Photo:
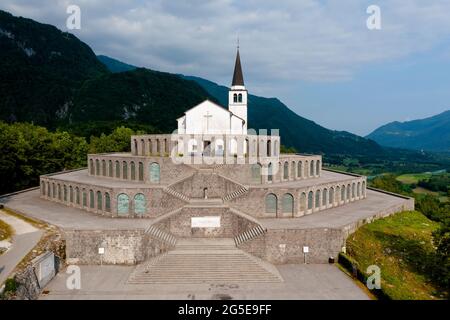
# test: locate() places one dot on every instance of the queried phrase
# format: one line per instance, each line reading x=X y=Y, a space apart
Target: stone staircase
x=205 y=261
x=249 y=235
x=161 y=235
x=177 y=194
x=235 y=194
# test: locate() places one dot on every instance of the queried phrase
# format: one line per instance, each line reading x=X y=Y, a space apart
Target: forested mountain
x=431 y=133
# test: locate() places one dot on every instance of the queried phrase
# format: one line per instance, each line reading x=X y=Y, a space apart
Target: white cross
x=207 y=116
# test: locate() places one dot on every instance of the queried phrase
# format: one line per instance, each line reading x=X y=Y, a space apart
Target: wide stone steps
x=205 y=261
x=161 y=235
x=235 y=194
x=249 y=235
x=177 y=194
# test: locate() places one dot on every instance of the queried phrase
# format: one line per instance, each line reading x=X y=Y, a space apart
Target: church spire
x=238 y=78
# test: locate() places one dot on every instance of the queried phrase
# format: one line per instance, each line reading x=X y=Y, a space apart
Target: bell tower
x=237 y=96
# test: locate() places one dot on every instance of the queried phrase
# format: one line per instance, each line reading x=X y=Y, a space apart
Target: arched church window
x=353 y=189
x=48 y=189
x=317 y=204
x=343 y=193
x=99 y=200
x=135 y=146
x=310 y=200
x=59 y=192
x=288 y=203
x=240 y=97
x=358 y=189
x=143 y=147
x=293 y=169
x=306 y=168
x=324 y=197
x=124 y=170
x=348 y=192
x=311 y=171
x=317 y=167
x=235 y=98
x=71 y=194
x=154 y=172
x=54 y=190
x=107 y=202
x=256 y=173
x=286 y=171
x=133 y=170
x=271 y=203
x=139 y=204
x=269 y=151
x=65 y=193
x=141 y=171
x=123 y=204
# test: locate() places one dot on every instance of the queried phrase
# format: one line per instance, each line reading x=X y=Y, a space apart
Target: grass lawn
x=411 y=178
x=5 y=231
x=400 y=245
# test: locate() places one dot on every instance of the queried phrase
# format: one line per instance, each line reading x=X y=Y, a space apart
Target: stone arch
x=91 y=199
x=317 y=202
x=65 y=193
x=123 y=204
x=107 y=202
x=48 y=189
x=306 y=169
x=331 y=196
x=117 y=169
x=324 y=197
x=363 y=191
x=353 y=190
x=135 y=146
x=141 y=171
x=77 y=195
x=287 y=203
x=140 y=204
x=310 y=200
x=110 y=168
x=84 y=198
x=311 y=169
x=233 y=146
x=303 y=202
x=125 y=170
x=358 y=189
x=158 y=147
x=271 y=203
x=71 y=194
x=155 y=172
x=99 y=201
x=343 y=193
x=299 y=169
x=286 y=170
x=97 y=167
x=293 y=170
x=143 y=152
x=348 y=192
x=104 y=168
x=91 y=167
x=133 y=170
x=59 y=192
x=317 y=167
x=54 y=190
x=256 y=173
x=338 y=194
x=270 y=172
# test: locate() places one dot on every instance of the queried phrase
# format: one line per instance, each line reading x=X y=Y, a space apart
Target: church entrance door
x=206 y=148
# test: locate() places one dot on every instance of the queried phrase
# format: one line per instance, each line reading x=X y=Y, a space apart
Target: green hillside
x=40 y=69
x=431 y=134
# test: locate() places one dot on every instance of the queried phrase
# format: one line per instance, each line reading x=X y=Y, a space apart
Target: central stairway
x=205 y=261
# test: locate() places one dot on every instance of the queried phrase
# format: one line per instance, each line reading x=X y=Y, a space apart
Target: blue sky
x=318 y=57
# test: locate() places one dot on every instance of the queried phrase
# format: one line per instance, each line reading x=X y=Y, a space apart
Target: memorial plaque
x=45 y=267
x=205 y=222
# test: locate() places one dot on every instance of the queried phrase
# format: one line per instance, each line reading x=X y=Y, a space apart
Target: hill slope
x=114 y=65
x=40 y=67
x=431 y=134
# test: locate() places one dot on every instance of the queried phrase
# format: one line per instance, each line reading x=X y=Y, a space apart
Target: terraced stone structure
x=211 y=180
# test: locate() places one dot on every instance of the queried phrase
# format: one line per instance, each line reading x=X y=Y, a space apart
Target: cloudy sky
x=318 y=57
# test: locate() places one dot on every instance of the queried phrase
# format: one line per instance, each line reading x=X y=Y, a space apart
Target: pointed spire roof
x=238 y=78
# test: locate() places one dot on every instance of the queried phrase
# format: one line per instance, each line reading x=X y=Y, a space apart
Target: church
x=210 y=119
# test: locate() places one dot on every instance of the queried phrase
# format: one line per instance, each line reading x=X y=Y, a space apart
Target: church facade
x=212 y=178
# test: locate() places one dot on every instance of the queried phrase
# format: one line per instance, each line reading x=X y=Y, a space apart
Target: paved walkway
x=319 y=281
x=23 y=241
